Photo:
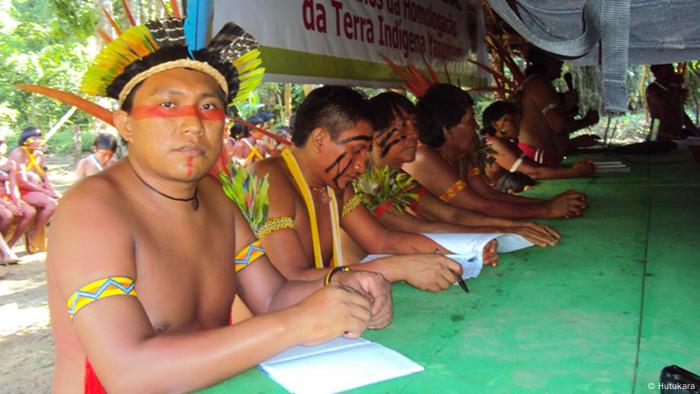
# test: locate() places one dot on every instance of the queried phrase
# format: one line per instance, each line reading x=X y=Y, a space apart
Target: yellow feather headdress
x=231 y=59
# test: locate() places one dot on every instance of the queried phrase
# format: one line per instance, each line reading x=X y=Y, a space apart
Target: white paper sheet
x=338 y=365
x=467 y=243
x=611 y=166
x=468 y=248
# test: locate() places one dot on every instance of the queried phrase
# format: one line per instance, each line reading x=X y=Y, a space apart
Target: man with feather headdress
x=145 y=257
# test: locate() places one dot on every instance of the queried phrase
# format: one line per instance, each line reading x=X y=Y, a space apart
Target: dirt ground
x=26 y=346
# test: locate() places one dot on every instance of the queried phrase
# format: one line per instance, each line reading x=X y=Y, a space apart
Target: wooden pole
x=287 y=101
x=77 y=143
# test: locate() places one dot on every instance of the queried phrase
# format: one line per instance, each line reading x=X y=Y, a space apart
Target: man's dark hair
x=334 y=108
x=514 y=182
x=238 y=131
x=536 y=69
x=384 y=107
x=27 y=133
x=493 y=113
x=655 y=68
x=105 y=141
x=128 y=104
x=441 y=107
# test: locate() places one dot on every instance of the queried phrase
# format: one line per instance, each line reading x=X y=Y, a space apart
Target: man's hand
x=538 y=234
x=584 y=168
x=54 y=193
x=431 y=272
x=330 y=312
x=489 y=255
x=571 y=100
x=568 y=204
x=591 y=117
x=376 y=289
x=16 y=210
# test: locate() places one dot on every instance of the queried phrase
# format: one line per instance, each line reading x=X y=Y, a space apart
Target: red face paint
x=189 y=165
x=157 y=111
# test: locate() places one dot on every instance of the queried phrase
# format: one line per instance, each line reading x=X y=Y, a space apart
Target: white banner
x=341 y=41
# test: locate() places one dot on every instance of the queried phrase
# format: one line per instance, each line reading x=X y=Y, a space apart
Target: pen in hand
x=461 y=281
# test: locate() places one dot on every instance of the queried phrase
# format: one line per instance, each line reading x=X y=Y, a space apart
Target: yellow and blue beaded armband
x=99 y=289
x=249 y=254
x=350 y=205
x=275 y=224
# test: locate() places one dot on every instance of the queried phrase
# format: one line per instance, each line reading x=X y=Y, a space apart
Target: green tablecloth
x=604 y=311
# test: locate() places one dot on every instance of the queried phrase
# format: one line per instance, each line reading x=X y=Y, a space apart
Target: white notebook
x=467 y=248
x=338 y=365
x=473 y=243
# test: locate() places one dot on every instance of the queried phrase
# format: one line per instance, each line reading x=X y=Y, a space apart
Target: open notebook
x=467 y=248
x=338 y=365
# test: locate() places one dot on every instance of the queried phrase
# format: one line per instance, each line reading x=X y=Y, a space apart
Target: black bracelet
x=329 y=275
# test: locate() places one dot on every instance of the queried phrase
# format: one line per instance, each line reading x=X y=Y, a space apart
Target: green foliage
x=249 y=192
x=250 y=107
x=44 y=42
x=378 y=185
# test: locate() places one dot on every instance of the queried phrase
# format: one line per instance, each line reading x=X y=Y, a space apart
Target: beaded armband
x=350 y=205
x=248 y=255
x=100 y=289
x=450 y=193
x=275 y=224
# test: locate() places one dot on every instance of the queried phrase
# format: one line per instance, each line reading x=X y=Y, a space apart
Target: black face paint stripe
x=354 y=138
x=340 y=173
x=388 y=135
x=336 y=162
x=390 y=145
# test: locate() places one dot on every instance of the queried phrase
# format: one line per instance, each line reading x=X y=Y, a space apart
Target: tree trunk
x=642 y=91
x=77 y=144
x=287 y=101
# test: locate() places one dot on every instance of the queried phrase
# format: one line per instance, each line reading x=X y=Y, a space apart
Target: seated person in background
x=546 y=121
x=445 y=166
x=103 y=149
x=141 y=269
x=501 y=122
x=274 y=146
x=665 y=97
x=410 y=206
x=250 y=147
x=12 y=208
x=331 y=137
x=33 y=181
x=267 y=117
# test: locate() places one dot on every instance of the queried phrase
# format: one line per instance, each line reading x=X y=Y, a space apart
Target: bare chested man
x=501 y=121
x=394 y=144
x=32 y=177
x=665 y=97
x=546 y=122
x=444 y=164
x=331 y=137
x=14 y=209
x=141 y=271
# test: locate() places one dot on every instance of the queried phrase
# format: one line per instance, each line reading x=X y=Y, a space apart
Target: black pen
x=462 y=283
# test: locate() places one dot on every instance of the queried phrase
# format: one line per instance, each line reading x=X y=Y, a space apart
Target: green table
x=604 y=311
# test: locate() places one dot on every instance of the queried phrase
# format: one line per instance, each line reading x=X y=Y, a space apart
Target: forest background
x=50 y=43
